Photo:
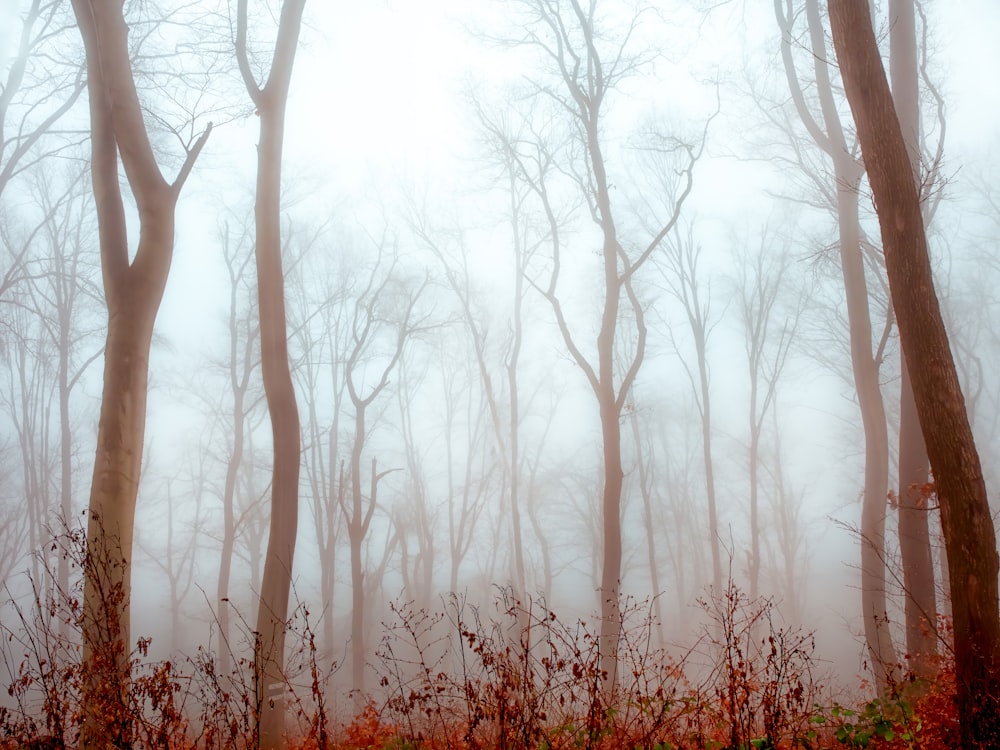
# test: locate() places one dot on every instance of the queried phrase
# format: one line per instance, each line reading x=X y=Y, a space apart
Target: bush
x=513 y=675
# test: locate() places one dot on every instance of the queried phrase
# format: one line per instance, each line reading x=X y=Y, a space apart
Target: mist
x=354 y=356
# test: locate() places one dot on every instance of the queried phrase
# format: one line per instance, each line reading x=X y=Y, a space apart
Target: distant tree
x=970 y=538
x=680 y=270
x=240 y=367
x=501 y=394
x=59 y=295
x=470 y=467
x=644 y=478
x=133 y=290
x=173 y=547
x=270 y=100
x=40 y=85
x=322 y=340
x=789 y=555
x=587 y=62
x=385 y=318
x=414 y=515
x=767 y=342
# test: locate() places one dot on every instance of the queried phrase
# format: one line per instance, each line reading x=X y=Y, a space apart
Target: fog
x=447 y=218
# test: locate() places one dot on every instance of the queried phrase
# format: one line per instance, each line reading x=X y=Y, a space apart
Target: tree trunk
x=272 y=613
x=133 y=292
x=865 y=367
x=920 y=605
x=970 y=538
x=357 y=529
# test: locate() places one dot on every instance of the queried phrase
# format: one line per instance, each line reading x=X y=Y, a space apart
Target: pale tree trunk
x=864 y=361
x=272 y=612
x=366 y=328
x=970 y=538
x=505 y=435
x=760 y=283
x=133 y=292
x=643 y=467
x=682 y=280
x=240 y=365
x=920 y=605
x=586 y=68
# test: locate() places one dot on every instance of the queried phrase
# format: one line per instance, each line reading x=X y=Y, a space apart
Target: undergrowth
x=509 y=675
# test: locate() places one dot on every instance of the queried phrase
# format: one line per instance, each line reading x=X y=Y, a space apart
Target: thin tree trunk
x=970 y=538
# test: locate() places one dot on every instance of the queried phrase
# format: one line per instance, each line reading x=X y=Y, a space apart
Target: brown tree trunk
x=279 y=389
x=920 y=605
x=133 y=292
x=970 y=539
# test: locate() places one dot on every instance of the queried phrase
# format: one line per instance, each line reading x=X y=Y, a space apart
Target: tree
x=177 y=557
x=59 y=292
x=385 y=318
x=587 y=66
x=279 y=389
x=920 y=605
x=680 y=271
x=40 y=86
x=133 y=290
x=841 y=192
x=413 y=516
x=970 y=538
x=240 y=366
x=323 y=340
x=761 y=278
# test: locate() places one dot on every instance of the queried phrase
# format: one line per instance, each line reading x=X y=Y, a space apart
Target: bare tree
x=470 y=469
x=767 y=344
x=920 y=605
x=240 y=367
x=841 y=191
x=413 y=516
x=970 y=538
x=133 y=290
x=645 y=473
x=385 y=318
x=39 y=88
x=680 y=272
x=323 y=341
x=270 y=99
x=173 y=549
x=587 y=65
x=49 y=332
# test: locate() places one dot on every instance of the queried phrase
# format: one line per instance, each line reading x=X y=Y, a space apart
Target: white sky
x=377 y=102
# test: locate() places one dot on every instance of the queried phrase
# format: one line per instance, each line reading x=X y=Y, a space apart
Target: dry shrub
x=523 y=678
x=42 y=655
x=153 y=704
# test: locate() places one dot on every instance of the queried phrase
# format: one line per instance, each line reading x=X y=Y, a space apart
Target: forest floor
x=463 y=679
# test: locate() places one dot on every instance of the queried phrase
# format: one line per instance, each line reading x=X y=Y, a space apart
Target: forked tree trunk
x=133 y=292
x=970 y=539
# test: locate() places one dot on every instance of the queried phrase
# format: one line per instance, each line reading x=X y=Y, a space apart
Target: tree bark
x=920 y=605
x=133 y=292
x=272 y=613
x=970 y=539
